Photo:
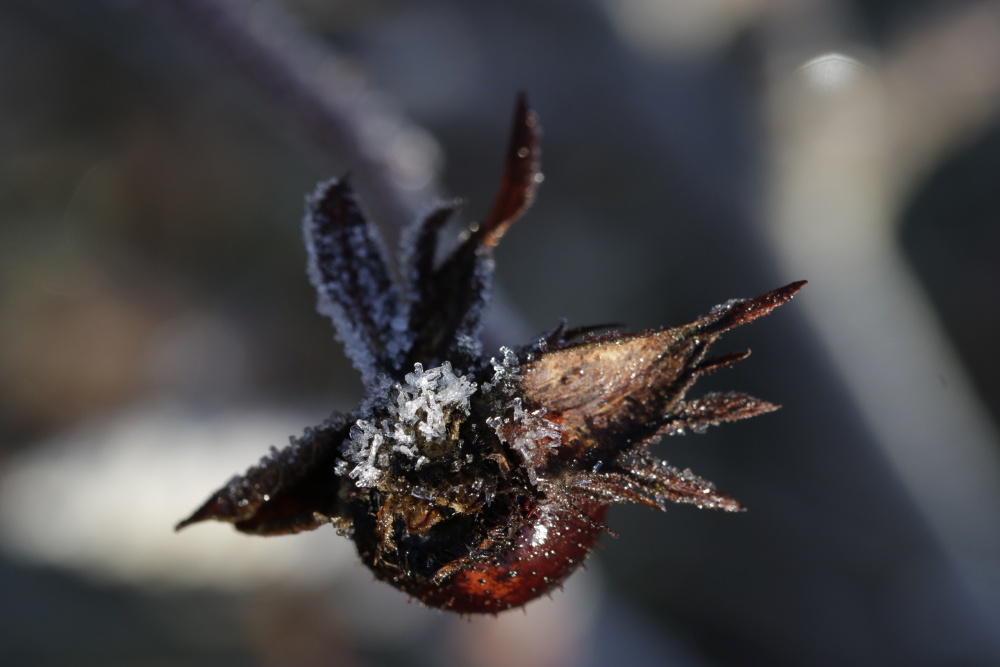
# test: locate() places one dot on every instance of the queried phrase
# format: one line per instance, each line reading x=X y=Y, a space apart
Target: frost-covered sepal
x=290 y=490
x=715 y=408
x=419 y=249
x=647 y=480
x=354 y=286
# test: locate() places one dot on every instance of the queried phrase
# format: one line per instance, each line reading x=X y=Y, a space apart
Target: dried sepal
x=738 y=312
x=448 y=311
x=520 y=178
x=722 y=361
x=354 y=286
x=648 y=481
x=419 y=248
x=288 y=491
x=715 y=408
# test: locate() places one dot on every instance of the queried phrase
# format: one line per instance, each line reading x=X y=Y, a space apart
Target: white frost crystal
x=421 y=413
x=528 y=433
x=506 y=371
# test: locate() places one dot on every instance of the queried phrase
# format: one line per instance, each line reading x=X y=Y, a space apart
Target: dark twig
x=306 y=80
x=348 y=120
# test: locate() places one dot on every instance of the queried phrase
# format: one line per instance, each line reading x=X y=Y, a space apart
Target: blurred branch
x=847 y=139
x=943 y=84
x=392 y=161
x=308 y=82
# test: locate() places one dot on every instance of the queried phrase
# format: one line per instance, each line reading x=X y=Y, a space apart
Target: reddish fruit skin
x=538 y=558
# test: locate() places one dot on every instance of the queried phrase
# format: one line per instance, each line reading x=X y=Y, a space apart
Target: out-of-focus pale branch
x=942 y=86
x=848 y=136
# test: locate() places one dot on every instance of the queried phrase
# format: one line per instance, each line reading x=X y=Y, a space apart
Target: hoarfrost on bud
x=529 y=434
x=365 y=442
x=417 y=429
x=506 y=370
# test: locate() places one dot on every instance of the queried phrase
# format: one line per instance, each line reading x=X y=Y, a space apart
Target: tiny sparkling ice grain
x=474 y=482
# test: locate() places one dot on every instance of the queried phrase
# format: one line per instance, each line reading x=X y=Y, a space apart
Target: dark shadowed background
x=157 y=330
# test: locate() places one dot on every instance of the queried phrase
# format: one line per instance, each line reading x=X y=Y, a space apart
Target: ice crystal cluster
x=419 y=424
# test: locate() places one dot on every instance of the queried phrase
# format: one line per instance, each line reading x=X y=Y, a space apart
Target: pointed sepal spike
x=288 y=491
x=353 y=284
x=743 y=311
x=654 y=483
x=715 y=408
x=669 y=484
x=721 y=361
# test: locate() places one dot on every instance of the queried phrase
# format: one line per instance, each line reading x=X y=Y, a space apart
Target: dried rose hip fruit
x=477 y=483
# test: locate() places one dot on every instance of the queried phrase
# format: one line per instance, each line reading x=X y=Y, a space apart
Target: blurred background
x=157 y=330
